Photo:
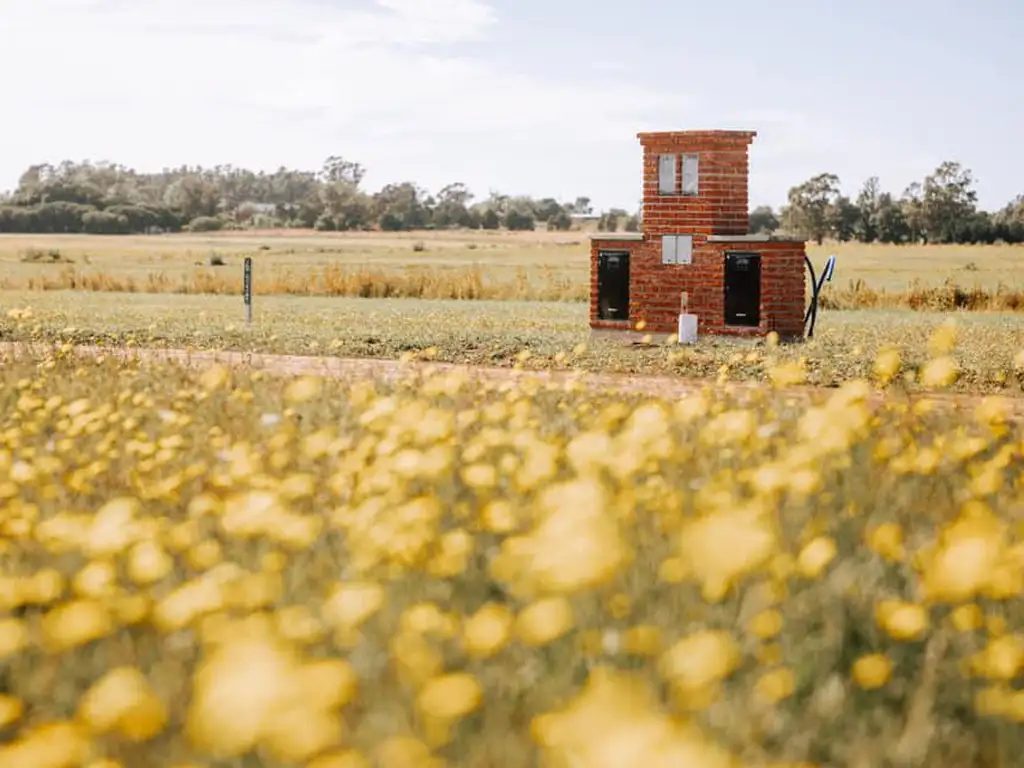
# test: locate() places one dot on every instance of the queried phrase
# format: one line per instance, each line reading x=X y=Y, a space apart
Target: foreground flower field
x=218 y=568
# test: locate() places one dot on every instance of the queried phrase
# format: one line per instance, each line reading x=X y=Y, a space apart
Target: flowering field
x=219 y=568
x=532 y=335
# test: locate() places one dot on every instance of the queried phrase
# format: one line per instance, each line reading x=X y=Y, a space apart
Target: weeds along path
x=393 y=370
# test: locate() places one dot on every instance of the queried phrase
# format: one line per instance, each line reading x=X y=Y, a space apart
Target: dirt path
x=391 y=370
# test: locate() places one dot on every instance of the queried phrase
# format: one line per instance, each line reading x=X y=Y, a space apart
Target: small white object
x=687 y=329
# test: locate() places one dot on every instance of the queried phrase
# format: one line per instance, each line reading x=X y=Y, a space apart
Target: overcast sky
x=519 y=96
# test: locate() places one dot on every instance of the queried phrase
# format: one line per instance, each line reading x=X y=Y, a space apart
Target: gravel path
x=390 y=370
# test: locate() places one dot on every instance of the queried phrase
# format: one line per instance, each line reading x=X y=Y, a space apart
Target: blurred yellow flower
x=123 y=700
x=700 y=659
x=544 y=621
x=788 y=374
x=940 y=372
x=721 y=547
x=10 y=710
x=75 y=623
x=943 y=339
x=351 y=604
x=776 y=685
x=577 y=544
x=887 y=540
x=966 y=561
x=14 y=637
x=887 y=365
x=815 y=557
x=902 y=621
x=486 y=631
x=449 y=697
x=48 y=745
x=1002 y=658
x=872 y=671
x=303 y=390
x=967 y=618
x=215 y=377
x=615 y=722
x=766 y=624
x=238 y=691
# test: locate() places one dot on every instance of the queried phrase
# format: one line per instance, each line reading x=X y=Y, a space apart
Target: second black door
x=743 y=289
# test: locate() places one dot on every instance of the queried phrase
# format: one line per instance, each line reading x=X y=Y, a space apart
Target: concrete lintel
x=711 y=134
x=755 y=238
x=630 y=236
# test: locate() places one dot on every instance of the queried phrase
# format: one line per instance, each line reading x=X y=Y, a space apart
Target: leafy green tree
x=948 y=203
x=490 y=219
x=810 y=206
x=763 y=220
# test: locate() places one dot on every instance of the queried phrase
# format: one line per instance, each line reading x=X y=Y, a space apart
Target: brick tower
x=694 y=243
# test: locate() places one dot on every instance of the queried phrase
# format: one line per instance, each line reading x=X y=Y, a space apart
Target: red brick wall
x=721 y=206
x=655 y=288
x=783 y=288
x=719 y=209
x=596 y=246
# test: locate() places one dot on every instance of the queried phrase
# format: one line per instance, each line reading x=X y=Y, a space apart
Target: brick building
x=694 y=248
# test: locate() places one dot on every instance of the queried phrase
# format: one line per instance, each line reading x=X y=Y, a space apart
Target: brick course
x=717 y=218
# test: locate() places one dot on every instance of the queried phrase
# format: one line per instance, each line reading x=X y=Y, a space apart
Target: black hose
x=817 y=284
x=812 y=308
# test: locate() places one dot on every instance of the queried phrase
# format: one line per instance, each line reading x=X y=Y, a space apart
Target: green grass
x=494 y=333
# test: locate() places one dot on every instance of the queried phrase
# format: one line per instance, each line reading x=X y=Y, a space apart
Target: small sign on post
x=247 y=288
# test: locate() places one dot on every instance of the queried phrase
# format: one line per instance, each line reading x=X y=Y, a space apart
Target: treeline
x=940 y=209
x=104 y=198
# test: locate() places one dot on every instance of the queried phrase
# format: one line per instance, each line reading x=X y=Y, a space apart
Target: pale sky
x=519 y=96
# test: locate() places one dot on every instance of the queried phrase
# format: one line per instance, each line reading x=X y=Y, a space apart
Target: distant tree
x=866 y=228
x=1009 y=222
x=810 y=204
x=518 y=221
x=104 y=223
x=843 y=217
x=490 y=219
x=63 y=198
x=561 y=221
x=451 y=208
x=763 y=220
x=400 y=207
x=948 y=203
x=206 y=224
x=889 y=220
x=337 y=169
x=581 y=206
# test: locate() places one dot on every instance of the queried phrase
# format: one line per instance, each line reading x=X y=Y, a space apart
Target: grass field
x=507 y=333
x=498 y=265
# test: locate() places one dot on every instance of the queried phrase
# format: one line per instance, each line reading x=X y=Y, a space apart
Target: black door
x=743 y=289
x=613 y=285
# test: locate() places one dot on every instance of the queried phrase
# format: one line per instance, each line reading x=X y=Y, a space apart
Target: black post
x=247 y=288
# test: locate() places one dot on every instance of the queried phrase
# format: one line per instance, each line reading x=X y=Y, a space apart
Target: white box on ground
x=687 y=329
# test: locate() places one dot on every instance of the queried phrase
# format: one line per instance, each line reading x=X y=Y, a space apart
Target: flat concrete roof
x=755 y=238
x=697 y=134
x=616 y=235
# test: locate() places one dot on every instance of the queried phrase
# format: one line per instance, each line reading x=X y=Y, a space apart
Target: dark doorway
x=743 y=289
x=613 y=285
